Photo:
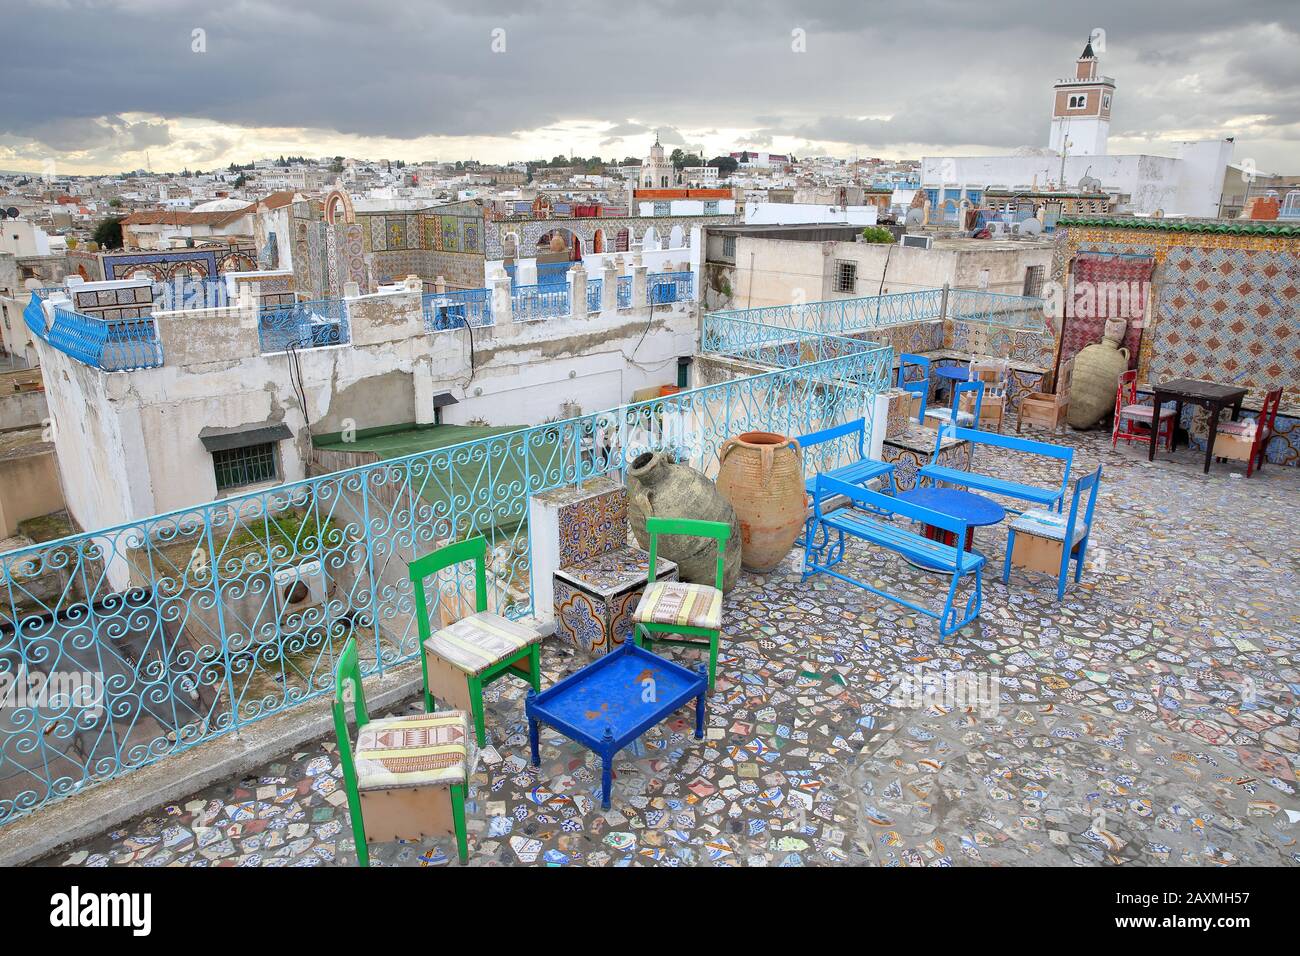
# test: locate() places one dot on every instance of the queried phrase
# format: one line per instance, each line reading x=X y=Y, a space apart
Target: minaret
x=1081 y=110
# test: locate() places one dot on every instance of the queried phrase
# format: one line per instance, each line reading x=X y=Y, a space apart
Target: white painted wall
x=1189 y=184
x=790 y=214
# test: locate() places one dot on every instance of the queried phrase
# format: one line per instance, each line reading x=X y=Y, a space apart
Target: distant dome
x=221 y=205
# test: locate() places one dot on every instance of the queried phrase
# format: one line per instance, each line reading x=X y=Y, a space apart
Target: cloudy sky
x=107 y=85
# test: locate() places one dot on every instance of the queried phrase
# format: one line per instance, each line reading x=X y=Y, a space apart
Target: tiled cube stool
x=465 y=656
x=595 y=598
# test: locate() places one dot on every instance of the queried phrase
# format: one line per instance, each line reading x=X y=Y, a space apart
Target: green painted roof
x=1248 y=227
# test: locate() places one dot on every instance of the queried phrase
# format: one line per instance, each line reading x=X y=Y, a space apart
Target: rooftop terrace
x=1150 y=718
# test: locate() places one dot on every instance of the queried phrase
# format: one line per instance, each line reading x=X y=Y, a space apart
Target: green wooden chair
x=393 y=775
x=676 y=607
x=461 y=659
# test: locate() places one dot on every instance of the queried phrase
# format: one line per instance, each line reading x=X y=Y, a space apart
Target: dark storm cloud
x=945 y=73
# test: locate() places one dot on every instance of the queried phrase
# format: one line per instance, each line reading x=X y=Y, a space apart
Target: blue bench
x=1047 y=497
x=857 y=472
x=877 y=529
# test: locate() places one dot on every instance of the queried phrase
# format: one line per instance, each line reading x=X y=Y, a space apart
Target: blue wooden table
x=975 y=510
x=613 y=701
x=954 y=374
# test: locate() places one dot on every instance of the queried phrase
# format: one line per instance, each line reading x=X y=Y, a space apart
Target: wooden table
x=1190 y=391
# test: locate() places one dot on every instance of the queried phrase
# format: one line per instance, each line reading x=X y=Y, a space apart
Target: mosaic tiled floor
x=1152 y=717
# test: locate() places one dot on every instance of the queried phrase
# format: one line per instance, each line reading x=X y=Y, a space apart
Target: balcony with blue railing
x=303 y=325
x=624 y=298
x=666 y=287
x=593 y=294
x=187 y=615
x=457 y=310
x=112 y=345
x=536 y=303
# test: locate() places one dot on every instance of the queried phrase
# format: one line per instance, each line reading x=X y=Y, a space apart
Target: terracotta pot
x=1097 y=369
x=658 y=487
x=761 y=474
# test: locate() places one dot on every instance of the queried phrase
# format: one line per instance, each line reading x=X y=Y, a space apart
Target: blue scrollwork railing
x=534 y=303
x=113 y=345
x=303 y=325
x=185 y=626
x=669 y=287
x=624 y=292
x=593 y=294
x=458 y=309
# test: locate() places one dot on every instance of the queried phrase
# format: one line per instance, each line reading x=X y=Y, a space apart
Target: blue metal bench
x=857 y=472
x=950 y=559
x=1049 y=497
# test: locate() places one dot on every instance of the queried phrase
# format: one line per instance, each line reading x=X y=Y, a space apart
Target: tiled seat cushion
x=1143 y=411
x=945 y=415
x=412 y=751
x=1049 y=524
x=475 y=643
x=676 y=602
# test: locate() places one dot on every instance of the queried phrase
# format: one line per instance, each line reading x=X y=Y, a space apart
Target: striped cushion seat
x=945 y=415
x=1143 y=411
x=475 y=643
x=1048 y=524
x=413 y=750
x=676 y=602
x=1239 y=428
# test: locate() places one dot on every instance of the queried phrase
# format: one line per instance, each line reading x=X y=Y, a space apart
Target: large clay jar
x=1097 y=369
x=761 y=474
x=658 y=487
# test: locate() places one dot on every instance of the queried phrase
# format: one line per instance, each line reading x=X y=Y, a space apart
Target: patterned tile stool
x=461 y=659
x=405 y=777
x=594 y=599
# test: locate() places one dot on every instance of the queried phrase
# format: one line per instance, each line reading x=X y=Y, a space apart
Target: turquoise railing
x=533 y=303
x=114 y=345
x=668 y=287
x=303 y=325
x=456 y=310
x=624 y=296
x=593 y=294
x=200 y=621
x=867 y=313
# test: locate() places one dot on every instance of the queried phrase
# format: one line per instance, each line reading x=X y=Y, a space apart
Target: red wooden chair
x=1249 y=439
x=1133 y=421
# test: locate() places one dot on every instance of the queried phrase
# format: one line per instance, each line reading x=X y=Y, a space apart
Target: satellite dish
x=12 y=212
x=1031 y=227
x=915 y=217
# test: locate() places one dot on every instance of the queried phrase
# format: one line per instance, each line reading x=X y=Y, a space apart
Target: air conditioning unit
x=916 y=242
x=299 y=587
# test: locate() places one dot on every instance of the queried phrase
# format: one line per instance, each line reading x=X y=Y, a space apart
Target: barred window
x=846 y=276
x=1034 y=280
x=239 y=467
x=729 y=246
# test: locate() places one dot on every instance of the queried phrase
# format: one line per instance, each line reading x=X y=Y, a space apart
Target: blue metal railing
x=868 y=313
x=624 y=292
x=669 y=287
x=115 y=345
x=303 y=325
x=593 y=294
x=201 y=621
x=456 y=310
x=533 y=303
